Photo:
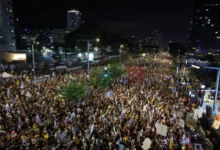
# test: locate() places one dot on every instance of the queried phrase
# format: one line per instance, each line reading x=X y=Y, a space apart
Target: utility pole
x=88 y=42
x=33 y=57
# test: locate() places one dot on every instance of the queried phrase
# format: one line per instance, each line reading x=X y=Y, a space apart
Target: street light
x=105 y=72
x=120 y=50
x=34 y=42
x=87 y=41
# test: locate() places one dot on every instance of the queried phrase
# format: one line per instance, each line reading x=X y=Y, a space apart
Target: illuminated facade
x=73 y=19
x=7 y=29
x=205 y=25
x=156 y=38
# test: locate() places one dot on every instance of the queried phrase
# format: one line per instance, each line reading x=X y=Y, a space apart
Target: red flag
x=136 y=73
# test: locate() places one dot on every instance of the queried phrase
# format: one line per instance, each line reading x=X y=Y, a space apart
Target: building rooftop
x=73 y=11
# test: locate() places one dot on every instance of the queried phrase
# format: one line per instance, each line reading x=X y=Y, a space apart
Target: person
x=42 y=119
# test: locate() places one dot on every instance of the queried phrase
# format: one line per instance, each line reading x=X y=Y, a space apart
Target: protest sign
x=216 y=124
x=180 y=113
x=196 y=114
x=146 y=144
x=161 y=129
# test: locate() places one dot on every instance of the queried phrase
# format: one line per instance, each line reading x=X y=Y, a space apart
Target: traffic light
x=106 y=72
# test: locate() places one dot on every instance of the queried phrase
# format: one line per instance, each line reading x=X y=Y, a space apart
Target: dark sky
x=127 y=17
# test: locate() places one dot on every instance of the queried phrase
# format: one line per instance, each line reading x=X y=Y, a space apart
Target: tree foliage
x=176 y=49
x=74 y=90
x=116 y=71
x=85 y=32
x=99 y=80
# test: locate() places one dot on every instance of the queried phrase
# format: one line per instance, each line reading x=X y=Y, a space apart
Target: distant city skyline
x=171 y=18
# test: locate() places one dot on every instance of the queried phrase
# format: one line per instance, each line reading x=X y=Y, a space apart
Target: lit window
x=0 y=36
x=206 y=17
x=200 y=17
x=207 y=9
x=208 y=22
x=212 y=25
x=218 y=37
x=216 y=32
x=12 y=30
x=13 y=43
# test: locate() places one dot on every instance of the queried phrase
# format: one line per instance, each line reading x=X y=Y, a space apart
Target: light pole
x=121 y=46
x=88 y=41
x=33 y=58
x=88 y=73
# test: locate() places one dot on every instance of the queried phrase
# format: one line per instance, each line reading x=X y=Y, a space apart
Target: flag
x=17 y=82
x=129 y=122
x=28 y=94
x=7 y=107
x=92 y=128
x=114 y=130
x=22 y=85
x=8 y=93
x=171 y=143
x=37 y=119
x=132 y=108
x=27 y=78
x=136 y=73
x=123 y=115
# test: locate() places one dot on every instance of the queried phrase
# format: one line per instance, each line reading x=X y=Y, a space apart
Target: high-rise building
x=205 y=25
x=156 y=38
x=58 y=35
x=73 y=19
x=7 y=29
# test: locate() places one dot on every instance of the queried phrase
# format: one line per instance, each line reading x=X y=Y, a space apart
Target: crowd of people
x=34 y=116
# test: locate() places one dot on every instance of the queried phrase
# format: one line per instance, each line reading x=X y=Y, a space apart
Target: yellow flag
x=27 y=78
x=171 y=143
x=17 y=82
x=46 y=136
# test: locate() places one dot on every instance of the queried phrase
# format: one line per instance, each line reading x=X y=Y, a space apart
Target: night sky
x=130 y=17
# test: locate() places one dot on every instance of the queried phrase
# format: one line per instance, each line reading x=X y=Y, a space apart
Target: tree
x=176 y=49
x=74 y=91
x=210 y=58
x=116 y=71
x=99 y=80
x=86 y=31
